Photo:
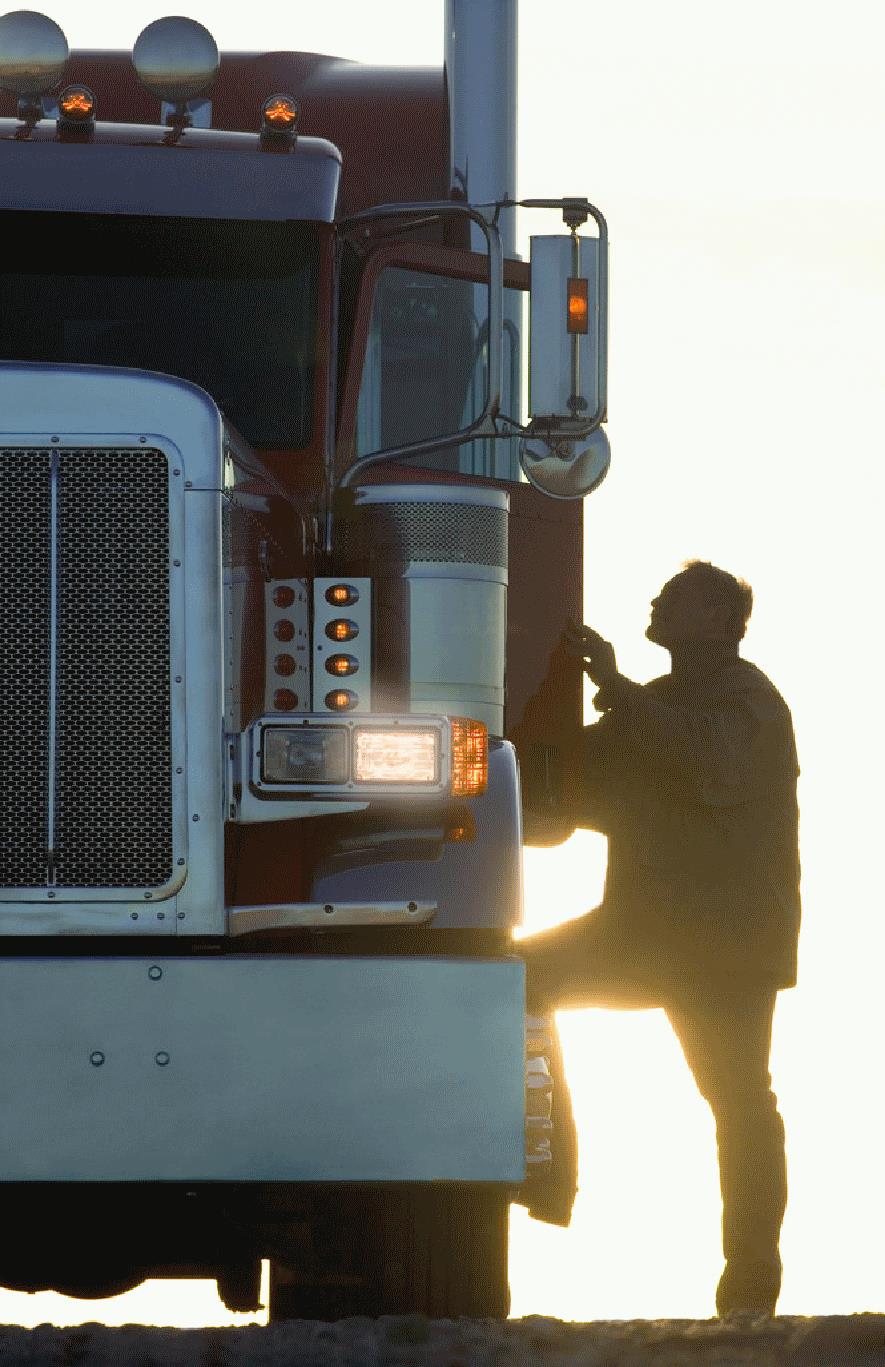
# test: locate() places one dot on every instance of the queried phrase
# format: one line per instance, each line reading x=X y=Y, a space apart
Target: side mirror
x=565 y=453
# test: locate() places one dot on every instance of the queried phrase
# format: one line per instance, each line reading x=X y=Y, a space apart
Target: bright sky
x=736 y=152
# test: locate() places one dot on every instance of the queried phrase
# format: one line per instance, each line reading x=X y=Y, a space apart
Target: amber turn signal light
x=470 y=757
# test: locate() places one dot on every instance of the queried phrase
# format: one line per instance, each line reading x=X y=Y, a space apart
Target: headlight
x=395 y=756
x=306 y=754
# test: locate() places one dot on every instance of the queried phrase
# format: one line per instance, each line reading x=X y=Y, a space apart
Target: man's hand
x=597 y=654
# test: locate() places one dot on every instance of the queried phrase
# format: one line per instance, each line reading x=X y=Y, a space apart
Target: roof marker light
x=76 y=107
x=279 y=119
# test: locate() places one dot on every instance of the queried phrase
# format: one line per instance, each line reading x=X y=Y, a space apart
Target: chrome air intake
x=437 y=556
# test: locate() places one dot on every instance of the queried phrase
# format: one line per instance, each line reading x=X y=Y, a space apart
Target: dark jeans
x=725 y=1033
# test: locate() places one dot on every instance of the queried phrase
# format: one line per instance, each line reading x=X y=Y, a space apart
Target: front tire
x=439 y=1251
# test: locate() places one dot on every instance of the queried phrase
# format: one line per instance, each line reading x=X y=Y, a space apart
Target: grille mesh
x=455 y=533
x=113 y=809
x=24 y=666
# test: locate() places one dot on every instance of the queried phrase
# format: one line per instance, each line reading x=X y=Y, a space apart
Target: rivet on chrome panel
x=134 y=915
x=50 y=894
x=176 y=472
x=328 y=908
x=148 y=896
x=413 y=906
x=188 y=484
x=196 y=816
x=53 y=438
x=179 y=770
x=155 y=972
x=181 y=916
x=177 y=564
x=142 y=439
x=161 y=916
x=179 y=861
x=96 y=1058
x=178 y=678
x=161 y=1058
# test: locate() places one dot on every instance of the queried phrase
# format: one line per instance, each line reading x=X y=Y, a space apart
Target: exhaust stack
x=480 y=65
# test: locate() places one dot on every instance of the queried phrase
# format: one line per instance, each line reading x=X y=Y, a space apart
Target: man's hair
x=725 y=587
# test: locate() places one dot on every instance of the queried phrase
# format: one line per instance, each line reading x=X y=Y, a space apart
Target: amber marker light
x=284 y=664
x=283 y=596
x=470 y=757
x=342 y=595
x=341 y=700
x=279 y=114
x=342 y=629
x=342 y=665
x=284 y=700
x=76 y=104
x=395 y=756
x=577 y=306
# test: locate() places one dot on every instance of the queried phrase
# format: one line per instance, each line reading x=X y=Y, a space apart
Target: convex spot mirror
x=566 y=455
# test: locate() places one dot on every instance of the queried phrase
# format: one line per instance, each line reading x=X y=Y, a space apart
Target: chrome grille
x=24 y=666
x=105 y=730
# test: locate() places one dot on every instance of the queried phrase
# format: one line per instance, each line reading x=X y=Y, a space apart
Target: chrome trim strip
x=328 y=915
x=53 y=667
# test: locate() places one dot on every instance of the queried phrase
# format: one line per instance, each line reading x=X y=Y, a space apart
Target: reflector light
x=283 y=596
x=284 y=700
x=342 y=629
x=76 y=104
x=284 y=664
x=314 y=754
x=395 y=756
x=470 y=757
x=279 y=114
x=284 y=630
x=341 y=700
x=577 y=306
x=342 y=595
x=342 y=665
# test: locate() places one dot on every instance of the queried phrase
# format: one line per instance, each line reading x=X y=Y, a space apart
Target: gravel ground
x=412 y=1341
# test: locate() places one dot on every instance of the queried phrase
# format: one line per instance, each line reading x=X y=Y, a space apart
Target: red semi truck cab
x=278 y=617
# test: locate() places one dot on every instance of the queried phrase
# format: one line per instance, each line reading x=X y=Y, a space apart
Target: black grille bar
x=103 y=555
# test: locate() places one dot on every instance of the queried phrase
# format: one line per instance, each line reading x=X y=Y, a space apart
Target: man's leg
x=580 y=963
x=726 y=1039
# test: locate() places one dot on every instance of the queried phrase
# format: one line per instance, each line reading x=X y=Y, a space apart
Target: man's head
x=701 y=603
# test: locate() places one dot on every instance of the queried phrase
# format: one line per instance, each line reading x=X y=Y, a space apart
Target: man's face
x=686 y=610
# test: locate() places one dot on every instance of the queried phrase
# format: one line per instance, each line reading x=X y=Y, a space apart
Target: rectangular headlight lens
x=306 y=754
x=396 y=755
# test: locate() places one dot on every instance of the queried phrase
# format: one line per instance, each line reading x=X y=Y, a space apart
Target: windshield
x=228 y=304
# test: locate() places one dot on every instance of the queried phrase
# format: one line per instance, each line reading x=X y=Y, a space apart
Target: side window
x=425 y=371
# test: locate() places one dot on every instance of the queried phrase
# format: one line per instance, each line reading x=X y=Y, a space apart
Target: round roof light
x=175 y=58
x=33 y=52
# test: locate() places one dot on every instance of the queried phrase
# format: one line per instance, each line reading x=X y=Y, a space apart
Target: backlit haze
x=737 y=155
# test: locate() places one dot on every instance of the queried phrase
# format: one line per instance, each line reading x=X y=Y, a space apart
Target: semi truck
x=287 y=556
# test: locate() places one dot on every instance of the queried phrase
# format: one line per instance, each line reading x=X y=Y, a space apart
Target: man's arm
x=728 y=750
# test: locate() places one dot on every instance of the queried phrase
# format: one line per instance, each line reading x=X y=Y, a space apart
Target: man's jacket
x=693 y=779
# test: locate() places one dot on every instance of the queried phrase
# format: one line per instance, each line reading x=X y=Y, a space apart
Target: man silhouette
x=693 y=779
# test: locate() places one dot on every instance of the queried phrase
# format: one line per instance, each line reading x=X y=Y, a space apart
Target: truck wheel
x=436 y=1251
